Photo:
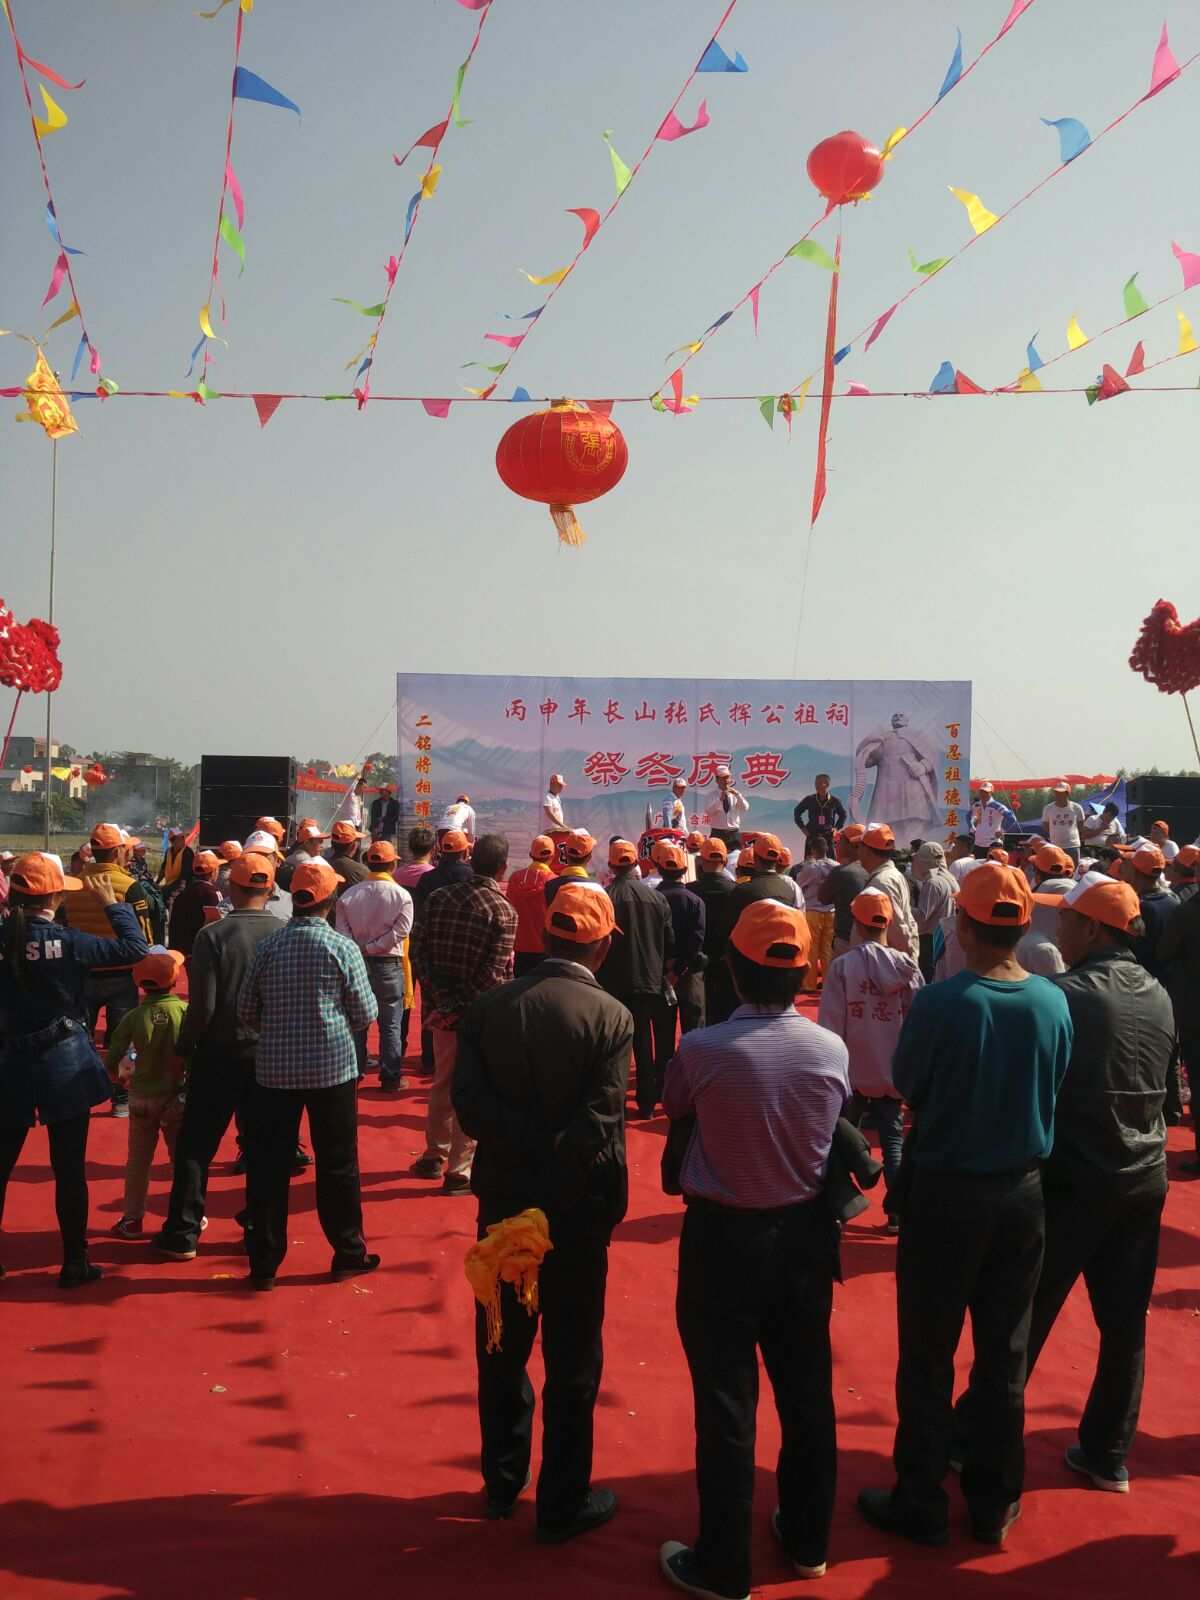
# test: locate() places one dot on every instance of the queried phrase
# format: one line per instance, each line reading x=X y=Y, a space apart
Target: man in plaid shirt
x=462 y=946
x=305 y=995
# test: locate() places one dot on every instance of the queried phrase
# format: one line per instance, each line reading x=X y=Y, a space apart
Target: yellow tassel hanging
x=567 y=523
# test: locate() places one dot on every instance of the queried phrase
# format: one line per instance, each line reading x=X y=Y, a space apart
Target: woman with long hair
x=49 y=1069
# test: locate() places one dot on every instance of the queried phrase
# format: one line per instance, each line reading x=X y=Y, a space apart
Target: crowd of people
x=1011 y=1021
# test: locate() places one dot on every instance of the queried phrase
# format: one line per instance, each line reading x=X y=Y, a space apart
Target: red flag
x=1137 y=361
x=827 y=394
x=590 y=220
x=965 y=385
x=266 y=405
x=429 y=140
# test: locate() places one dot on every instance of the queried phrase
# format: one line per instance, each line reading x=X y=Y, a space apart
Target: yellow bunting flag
x=978 y=215
x=550 y=277
x=1029 y=382
x=71 y=311
x=1076 y=338
x=206 y=327
x=893 y=140
x=801 y=396
x=1187 y=340
x=429 y=183
x=56 y=117
x=46 y=401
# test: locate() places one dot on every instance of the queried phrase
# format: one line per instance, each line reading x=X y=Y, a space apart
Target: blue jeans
x=886 y=1115
x=386 y=974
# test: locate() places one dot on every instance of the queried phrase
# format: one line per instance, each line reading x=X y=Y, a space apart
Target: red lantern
x=563 y=457
x=845 y=167
x=26 y=769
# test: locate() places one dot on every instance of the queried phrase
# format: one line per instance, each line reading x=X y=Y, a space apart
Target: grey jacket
x=220 y=960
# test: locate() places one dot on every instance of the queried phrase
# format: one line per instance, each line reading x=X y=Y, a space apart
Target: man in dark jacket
x=635 y=968
x=767 y=881
x=218 y=1048
x=688 y=926
x=1106 y=1178
x=1179 y=952
x=385 y=814
x=540 y=1082
x=345 y=846
x=844 y=884
x=452 y=867
x=1143 y=871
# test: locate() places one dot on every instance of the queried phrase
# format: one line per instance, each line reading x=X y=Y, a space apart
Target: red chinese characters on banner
x=805 y=713
x=547 y=708
x=740 y=712
x=764 y=766
x=579 y=710
x=516 y=708
x=676 y=711
x=656 y=769
x=704 y=768
x=423 y=766
x=708 y=713
x=838 y=712
x=772 y=714
x=603 y=767
x=646 y=713
x=613 y=712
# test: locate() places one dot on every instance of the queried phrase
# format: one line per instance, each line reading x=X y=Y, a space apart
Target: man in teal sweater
x=979 y=1061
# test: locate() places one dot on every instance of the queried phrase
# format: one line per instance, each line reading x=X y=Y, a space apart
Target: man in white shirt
x=1160 y=834
x=987 y=820
x=725 y=810
x=552 y=811
x=1104 y=829
x=377 y=914
x=962 y=856
x=876 y=852
x=1063 y=818
x=459 y=816
x=673 y=812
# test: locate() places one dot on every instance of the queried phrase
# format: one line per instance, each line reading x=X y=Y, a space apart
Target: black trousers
x=114 y=993
x=571 y=1287
x=651 y=1019
x=754 y=1280
x=966 y=1244
x=272 y=1127
x=690 y=992
x=68 y=1161
x=218 y=1090
x=1107 y=1230
x=1189 y=1049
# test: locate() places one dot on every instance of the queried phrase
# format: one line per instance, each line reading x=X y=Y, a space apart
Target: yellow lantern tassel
x=567 y=523
x=46 y=401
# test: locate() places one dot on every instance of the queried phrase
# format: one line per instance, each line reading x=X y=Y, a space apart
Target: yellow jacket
x=83 y=910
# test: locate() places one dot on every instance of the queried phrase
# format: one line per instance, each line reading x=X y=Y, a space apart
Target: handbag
x=678 y=1140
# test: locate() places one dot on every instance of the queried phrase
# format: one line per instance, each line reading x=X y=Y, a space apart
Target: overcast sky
x=223 y=588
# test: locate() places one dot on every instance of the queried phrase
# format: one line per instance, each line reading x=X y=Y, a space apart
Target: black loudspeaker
x=236 y=790
x=1155 y=797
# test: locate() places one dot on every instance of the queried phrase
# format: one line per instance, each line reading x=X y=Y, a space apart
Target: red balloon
x=563 y=457
x=845 y=167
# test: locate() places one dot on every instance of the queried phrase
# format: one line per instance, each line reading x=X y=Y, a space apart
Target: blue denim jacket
x=58 y=959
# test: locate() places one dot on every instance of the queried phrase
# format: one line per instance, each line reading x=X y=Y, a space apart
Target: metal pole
x=50 y=619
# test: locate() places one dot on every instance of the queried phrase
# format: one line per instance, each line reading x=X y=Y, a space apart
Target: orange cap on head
x=41 y=873
x=996 y=895
x=345 y=833
x=772 y=935
x=314 y=881
x=872 y=908
x=307 y=831
x=270 y=825
x=106 y=836
x=253 y=871
x=381 y=853
x=1165 y=826
x=695 y=841
x=134 y=843
x=668 y=855
x=1149 y=859
x=542 y=848
x=230 y=850
x=998 y=854
x=1062 y=786
x=714 y=850
x=581 y=913
x=621 y=853
x=158 y=970
x=205 y=864
x=768 y=852
x=578 y=845
x=987 y=788
x=879 y=837
x=1188 y=858
x=1049 y=858
x=785 y=859
x=1100 y=898
x=853 y=831
x=745 y=858
x=454 y=842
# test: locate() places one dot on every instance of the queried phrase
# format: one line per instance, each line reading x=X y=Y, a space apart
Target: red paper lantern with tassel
x=845 y=167
x=563 y=457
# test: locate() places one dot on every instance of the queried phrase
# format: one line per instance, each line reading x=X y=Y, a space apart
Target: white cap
x=557 y=777
x=1061 y=783
x=308 y=831
x=680 y=783
x=987 y=788
x=723 y=772
x=262 y=843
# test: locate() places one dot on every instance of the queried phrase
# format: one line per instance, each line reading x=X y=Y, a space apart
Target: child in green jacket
x=150 y=1034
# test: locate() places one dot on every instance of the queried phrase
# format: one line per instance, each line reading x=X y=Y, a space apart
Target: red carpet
x=169 y=1435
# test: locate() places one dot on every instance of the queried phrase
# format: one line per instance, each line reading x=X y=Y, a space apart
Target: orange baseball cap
x=695 y=841
x=454 y=842
x=581 y=913
x=159 y=969
x=314 y=881
x=997 y=854
x=1061 y=786
x=745 y=858
x=1148 y=859
x=1188 y=857
x=996 y=895
x=381 y=853
x=1049 y=858
x=768 y=852
x=872 y=908
x=785 y=860
x=134 y=843
x=1099 y=897
x=714 y=850
x=270 y=825
x=879 y=837
x=854 y=832
x=668 y=855
x=345 y=833
x=253 y=871
x=106 y=836
x=987 y=787
x=578 y=844
x=308 y=830
x=230 y=850
x=205 y=864
x=542 y=848
x=1165 y=826
x=772 y=935
x=306 y=822
x=41 y=873
x=621 y=853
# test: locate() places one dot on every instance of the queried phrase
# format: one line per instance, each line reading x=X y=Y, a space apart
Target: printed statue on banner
x=905 y=794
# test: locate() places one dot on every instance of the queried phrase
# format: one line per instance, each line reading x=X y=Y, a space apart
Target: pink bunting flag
x=672 y=128
x=590 y=220
x=235 y=189
x=46 y=72
x=879 y=327
x=1166 y=68
x=56 y=277
x=857 y=388
x=676 y=382
x=1137 y=361
x=1111 y=383
x=429 y=140
x=1018 y=7
x=392 y=268
x=94 y=363
x=266 y=405
x=436 y=408
x=754 y=294
x=965 y=385
x=511 y=341
x=474 y=5
x=1189 y=265
x=603 y=408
